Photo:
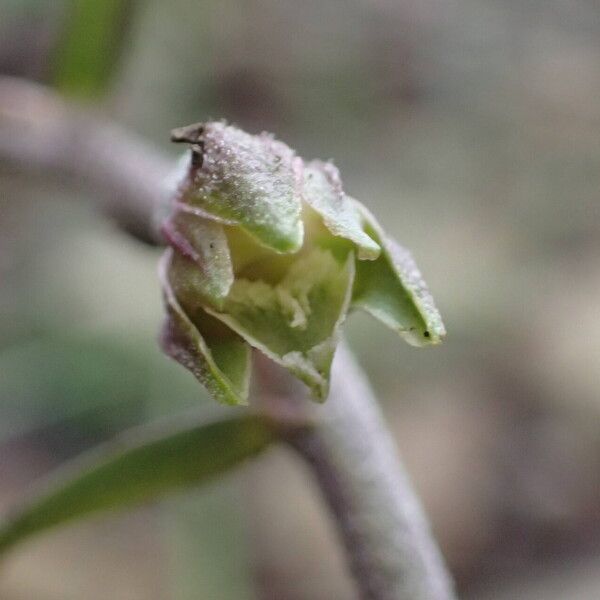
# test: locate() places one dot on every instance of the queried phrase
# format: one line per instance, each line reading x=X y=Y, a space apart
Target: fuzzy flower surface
x=266 y=251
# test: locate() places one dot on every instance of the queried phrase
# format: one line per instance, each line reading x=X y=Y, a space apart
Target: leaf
x=138 y=467
x=392 y=289
x=295 y=322
x=91 y=46
x=323 y=193
x=251 y=181
x=63 y=379
x=217 y=357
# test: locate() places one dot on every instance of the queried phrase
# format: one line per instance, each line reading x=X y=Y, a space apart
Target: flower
x=268 y=252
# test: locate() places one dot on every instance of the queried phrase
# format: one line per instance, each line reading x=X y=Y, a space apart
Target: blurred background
x=472 y=129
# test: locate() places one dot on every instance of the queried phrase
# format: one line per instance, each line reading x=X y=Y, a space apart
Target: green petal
x=295 y=322
x=217 y=357
x=323 y=192
x=201 y=268
x=392 y=289
x=251 y=181
x=253 y=261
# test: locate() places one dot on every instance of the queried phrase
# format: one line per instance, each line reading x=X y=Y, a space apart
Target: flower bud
x=268 y=252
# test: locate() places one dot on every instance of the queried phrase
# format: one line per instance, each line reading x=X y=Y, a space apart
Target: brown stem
x=40 y=132
x=348 y=448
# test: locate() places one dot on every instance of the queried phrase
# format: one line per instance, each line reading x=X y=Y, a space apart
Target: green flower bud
x=268 y=252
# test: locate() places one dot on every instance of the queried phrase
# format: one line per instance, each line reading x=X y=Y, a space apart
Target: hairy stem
x=41 y=133
x=350 y=452
x=348 y=447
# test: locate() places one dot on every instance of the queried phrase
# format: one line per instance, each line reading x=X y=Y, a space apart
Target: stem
x=389 y=547
x=349 y=449
x=41 y=132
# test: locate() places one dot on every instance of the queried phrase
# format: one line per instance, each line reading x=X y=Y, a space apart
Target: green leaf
x=137 y=468
x=323 y=193
x=217 y=357
x=91 y=45
x=295 y=322
x=60 y=377
x=392 y=289
x=201 y=268
x=252 y=181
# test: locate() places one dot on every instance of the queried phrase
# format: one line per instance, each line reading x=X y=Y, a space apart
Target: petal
x=323 y=193
x=297 y=321
x=251 y=181
x=392 y=289
x=217 y=357
x=201 y=269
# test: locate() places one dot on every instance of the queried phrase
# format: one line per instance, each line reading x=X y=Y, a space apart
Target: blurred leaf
x=136 y=468
x=91 y=45
x=93 y=381
x=209 y=549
